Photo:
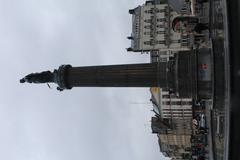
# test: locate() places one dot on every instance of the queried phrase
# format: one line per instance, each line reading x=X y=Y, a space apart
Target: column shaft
x=132 y=75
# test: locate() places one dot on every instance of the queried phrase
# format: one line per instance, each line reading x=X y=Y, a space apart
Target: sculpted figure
x=43 y=77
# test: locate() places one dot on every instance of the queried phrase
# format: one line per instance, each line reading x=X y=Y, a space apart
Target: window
x=186 y=103
x=184 y=43
x=163 y=59
x=149 y=11
x=163 y=10
x=148 y=33
x=166 y=102
x=160 y=10
x=161 y=42
x=157 y=10
x=161 y=20
x=148 y=27
x=151 y=42
x=161 y=32
x=166 y=96
x=160 y=26
x=147 y=43
x=148 y=20
x=176 y=103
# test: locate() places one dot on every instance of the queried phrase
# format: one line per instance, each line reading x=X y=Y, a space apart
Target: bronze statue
x=43 y=77
x=57 y=77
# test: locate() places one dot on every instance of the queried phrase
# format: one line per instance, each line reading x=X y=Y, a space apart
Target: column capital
x=60 y=77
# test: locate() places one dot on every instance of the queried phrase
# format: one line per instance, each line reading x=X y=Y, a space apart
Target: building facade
x=152 y=29
x=172 y=123
x=170 y=106
x=172 y=144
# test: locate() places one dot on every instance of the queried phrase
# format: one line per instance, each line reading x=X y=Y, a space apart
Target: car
x=202 y=122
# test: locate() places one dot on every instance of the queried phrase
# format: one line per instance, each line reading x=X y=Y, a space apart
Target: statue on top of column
x=43 y=77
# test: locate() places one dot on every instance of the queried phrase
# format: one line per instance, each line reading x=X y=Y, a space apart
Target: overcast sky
x=38 y=123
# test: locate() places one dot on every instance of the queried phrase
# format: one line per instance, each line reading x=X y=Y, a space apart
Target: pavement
x=234 y=74
x=220 y=112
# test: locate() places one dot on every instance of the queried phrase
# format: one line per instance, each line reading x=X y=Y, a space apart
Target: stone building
x=172 y=143
x=170 y=106
x=152 y=29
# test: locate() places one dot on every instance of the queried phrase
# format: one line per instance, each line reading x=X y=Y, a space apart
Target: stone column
x=127 y=75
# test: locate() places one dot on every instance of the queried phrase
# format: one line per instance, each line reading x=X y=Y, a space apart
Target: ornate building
x=172 y=143
x=152 y=29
